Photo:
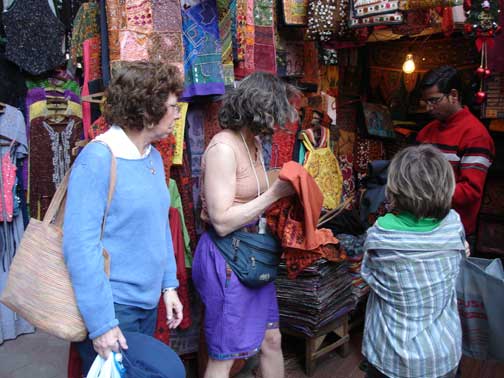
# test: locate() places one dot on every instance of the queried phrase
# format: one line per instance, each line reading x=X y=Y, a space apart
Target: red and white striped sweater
x=470 y=149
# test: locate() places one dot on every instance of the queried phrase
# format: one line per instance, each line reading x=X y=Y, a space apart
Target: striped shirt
x=469 y=148
x=412 y=326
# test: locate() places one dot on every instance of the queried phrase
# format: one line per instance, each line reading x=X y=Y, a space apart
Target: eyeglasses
x=433 y=100
x=175 y=106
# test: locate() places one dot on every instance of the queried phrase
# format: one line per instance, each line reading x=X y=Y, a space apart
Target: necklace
x=253 y=167
x=262 y=220
x=150 y=167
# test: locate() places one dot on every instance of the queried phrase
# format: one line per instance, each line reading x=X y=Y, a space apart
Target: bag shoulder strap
x=56 y=209
x=306 y=141
x=112 y=183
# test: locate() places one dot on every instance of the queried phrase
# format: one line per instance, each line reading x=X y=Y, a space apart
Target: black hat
x=147 y=357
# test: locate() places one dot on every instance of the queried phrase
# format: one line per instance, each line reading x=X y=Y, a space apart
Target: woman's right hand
x=109 y=341
x=282 y=188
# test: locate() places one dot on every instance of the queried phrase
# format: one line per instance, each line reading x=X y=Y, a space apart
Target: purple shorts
x=236 y=316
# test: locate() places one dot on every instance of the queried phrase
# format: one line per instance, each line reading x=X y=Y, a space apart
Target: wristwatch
x=168 y=289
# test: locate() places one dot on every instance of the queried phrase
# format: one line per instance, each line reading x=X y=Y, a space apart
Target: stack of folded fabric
x=354 y=247
x=319 y=295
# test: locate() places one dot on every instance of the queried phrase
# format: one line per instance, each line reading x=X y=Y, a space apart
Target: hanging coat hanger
x=96 y=98
x=55 y=89
x=5 y=141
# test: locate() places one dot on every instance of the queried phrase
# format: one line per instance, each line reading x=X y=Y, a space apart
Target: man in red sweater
x=462 y=138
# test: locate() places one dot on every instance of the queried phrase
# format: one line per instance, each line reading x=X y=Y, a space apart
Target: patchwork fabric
x=139 y=15
x=423 y=4
x=145 y=30
x=133 y=46
x=85 y=27
x=366 y=8
x=241 y=30
x=167 y=47
x=227 y=9
x=382 y=19
x=260 y=51
x=295 y=12
x=166 y=15
x=202 y=49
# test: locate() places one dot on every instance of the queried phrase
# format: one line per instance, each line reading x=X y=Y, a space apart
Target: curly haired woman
x=142 y=108
x=240 y=320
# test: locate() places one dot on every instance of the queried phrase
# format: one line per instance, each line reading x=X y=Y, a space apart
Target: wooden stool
x=315 y=346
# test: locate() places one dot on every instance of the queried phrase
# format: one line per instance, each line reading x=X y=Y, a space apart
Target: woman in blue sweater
x=142 y=108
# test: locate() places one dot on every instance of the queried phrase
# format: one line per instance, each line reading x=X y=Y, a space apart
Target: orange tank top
x=246 y=183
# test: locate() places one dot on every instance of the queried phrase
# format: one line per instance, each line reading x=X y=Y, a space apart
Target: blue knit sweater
x=137 y=235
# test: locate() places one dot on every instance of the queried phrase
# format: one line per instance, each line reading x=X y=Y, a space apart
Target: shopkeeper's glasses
x=433 y=100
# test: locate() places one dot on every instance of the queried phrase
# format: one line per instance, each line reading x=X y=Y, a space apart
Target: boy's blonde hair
x=421 y=181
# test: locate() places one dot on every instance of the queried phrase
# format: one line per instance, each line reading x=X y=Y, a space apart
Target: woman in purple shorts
x=240 y=321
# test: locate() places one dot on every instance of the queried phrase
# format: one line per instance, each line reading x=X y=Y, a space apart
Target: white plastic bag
x=112 y=367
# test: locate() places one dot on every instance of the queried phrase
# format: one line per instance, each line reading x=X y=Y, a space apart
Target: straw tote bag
x=38 y=286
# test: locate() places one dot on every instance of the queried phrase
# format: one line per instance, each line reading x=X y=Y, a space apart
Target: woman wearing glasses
x=142 y=108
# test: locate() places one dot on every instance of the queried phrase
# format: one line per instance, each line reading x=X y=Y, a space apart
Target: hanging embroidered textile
x=283 y=144
x=295 y=12
x=166 y=148
x=202 y=49
x=182 y=175
x=311 y=67
x=196 y=137
x=326 y=19
x=344 y=151
x=366 y=151
x=34 y=36
x=85 y=27
x=227 y=10
x=295 y=58
x=212 y=125
x=92 y=71
x=50 y=158
x=178 y=133
x=8 y=181
x=379 y=19
x=260 y=50
x=323 y=166
x=98 y=127
x=423 y=4
x=240 y=30
x=366 y=8
x=145 y=30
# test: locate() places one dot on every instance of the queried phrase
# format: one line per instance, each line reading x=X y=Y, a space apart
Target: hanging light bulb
x=408 y=65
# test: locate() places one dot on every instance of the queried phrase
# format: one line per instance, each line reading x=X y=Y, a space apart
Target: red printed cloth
x=294 y=221
x=162 y=332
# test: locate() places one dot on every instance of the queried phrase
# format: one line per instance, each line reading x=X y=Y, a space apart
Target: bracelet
x=168 y=289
